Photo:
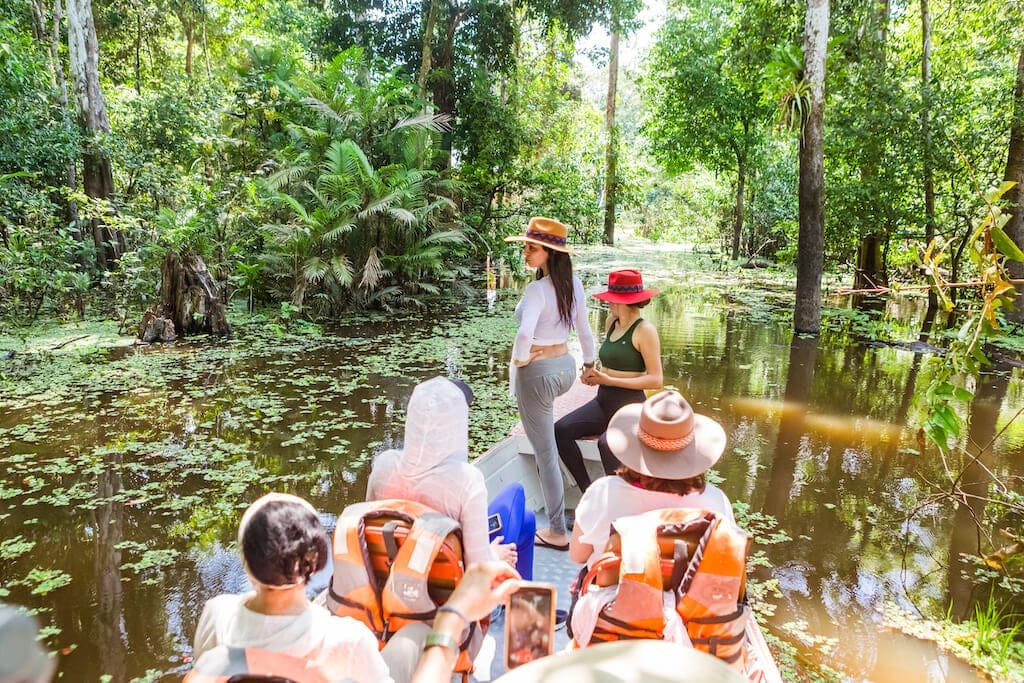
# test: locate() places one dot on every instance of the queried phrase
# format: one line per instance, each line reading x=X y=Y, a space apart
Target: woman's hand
x=483 y=587
x=534 y=355
x=506 y=552
x=594 y=377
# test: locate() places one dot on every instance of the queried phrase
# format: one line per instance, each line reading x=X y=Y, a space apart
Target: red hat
x=626 y=287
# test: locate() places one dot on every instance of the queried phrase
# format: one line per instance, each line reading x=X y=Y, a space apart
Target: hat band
x=546 y=237
x=626 y=289
x=664 y=445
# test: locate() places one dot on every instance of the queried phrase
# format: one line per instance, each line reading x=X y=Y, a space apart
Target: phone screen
x=529 y=624
x=494 y=523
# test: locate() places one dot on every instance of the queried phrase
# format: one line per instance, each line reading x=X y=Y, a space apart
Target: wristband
x=439 y=639
x=453 y=610
x=589 y=365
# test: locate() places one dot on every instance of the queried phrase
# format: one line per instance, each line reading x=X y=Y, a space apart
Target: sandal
x=539 y=541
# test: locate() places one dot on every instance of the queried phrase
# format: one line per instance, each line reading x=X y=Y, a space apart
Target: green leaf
x=1006 y=246
x=944 y=416
x=937 y=434
x=962 y=394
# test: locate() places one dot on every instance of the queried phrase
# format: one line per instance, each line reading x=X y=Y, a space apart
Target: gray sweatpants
x=537 y=386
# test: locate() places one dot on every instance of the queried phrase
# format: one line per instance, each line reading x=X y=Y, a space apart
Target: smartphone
x=494 y=524
x=529 y=624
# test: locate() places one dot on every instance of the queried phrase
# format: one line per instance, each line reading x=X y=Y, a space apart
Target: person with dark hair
x=283 y=544
x=665 y=449
x=631 y=362
x=542 y=368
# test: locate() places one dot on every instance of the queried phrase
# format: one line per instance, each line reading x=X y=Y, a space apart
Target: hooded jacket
x=433 y=466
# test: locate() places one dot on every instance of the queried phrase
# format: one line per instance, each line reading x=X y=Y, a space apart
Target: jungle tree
x=704 y=105
x=1015 y=195
x=98 y=175
x=811 y=245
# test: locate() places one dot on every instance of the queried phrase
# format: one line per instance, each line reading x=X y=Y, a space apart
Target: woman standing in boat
x=631 y=362
x=542 y=368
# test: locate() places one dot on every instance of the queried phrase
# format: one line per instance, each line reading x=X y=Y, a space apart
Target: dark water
x=129 y=473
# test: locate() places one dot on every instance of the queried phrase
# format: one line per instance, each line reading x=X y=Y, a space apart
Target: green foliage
x=359 y=221
x=965 y=355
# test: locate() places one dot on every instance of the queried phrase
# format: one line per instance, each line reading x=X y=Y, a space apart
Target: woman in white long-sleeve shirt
x=542 y=368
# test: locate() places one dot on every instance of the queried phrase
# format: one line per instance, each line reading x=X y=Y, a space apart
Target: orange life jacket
x=395 y=562
x=233 y=663
x=698 y=556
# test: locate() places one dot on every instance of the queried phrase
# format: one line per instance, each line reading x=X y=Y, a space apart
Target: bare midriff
x=623 y=374
x=550 y=351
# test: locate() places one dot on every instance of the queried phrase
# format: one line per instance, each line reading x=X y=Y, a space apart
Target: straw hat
x=546 y=232
x=626 y=287
x=662 y=437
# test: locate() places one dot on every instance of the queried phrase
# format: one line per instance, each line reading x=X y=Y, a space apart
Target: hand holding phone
x=530 y=624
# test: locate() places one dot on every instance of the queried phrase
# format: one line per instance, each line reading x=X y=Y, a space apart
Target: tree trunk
x=444 y=87
x=870 y=271
x=612 y=151
x=1015 y=196
x=189 y=297
x=871 y=264
x=97 y=175
x=428 y=46
x=811 y=244
x=190 y=46
x=926 y=134
x=138 y=53
x=60 y=81
x=741 y=182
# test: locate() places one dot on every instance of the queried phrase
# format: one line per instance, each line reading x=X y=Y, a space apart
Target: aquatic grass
x=991 y=637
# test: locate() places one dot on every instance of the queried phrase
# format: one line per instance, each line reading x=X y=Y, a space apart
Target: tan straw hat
x=546 y=232
x=662 y=437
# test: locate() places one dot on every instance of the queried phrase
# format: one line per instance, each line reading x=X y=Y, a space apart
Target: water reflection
x=108 y=533
x=975 y=480
x=803 y=352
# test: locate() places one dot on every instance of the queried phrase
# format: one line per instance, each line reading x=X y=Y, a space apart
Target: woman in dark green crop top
x=631 y=362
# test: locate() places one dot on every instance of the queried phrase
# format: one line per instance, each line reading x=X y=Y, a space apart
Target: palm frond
x=327 y=111
x=338 y=231
x=341 y=269
x=439 y=123
x=452 y=237
x=314 y=269
x=373 y=270
x=294 y=204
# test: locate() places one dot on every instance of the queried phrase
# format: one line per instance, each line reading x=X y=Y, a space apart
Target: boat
x=512 y=460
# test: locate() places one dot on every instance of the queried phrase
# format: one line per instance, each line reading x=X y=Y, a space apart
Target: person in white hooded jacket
x=433 y=468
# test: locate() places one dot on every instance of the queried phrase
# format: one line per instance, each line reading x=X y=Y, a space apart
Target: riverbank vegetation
x=327 y=161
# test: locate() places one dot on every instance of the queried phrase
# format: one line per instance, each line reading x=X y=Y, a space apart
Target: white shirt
x=339 y=647
x=433 y=466
x=612 y=497
x=537 y=313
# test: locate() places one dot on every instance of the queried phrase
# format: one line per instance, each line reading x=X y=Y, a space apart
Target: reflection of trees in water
x=803 y=352
x=975 y=480
x=108 y=524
